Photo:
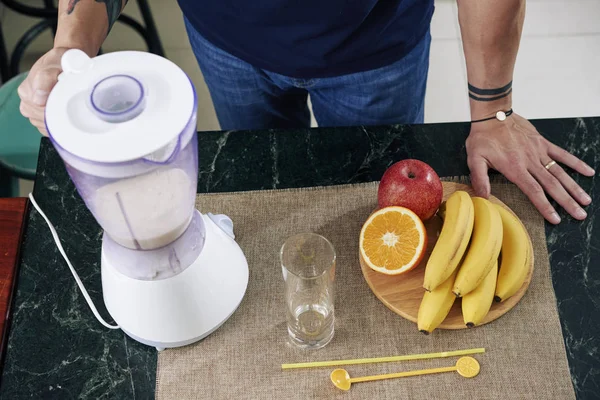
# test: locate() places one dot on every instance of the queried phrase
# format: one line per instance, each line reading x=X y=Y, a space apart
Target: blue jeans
x=246 y=97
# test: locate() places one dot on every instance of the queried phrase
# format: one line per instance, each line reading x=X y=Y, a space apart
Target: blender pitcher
x=124 y=124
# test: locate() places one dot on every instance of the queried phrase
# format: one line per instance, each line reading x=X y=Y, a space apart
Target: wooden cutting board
x=403 y=293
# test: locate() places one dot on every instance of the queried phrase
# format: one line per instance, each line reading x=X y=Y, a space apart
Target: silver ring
x=549 y=165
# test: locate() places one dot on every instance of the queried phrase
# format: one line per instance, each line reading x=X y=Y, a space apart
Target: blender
x=124 y=124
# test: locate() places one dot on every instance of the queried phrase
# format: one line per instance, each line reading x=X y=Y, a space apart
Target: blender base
x=162 y=346
x=184 y=308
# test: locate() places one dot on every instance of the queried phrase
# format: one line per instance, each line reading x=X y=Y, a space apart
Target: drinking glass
x=308 y=265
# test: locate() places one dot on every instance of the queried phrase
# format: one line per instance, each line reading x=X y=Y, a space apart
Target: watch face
x=500 y=115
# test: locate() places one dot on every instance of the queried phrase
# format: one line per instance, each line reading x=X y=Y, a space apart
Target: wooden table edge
x=21 y=206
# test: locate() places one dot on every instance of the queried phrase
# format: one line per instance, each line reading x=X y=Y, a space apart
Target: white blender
x=124 y=124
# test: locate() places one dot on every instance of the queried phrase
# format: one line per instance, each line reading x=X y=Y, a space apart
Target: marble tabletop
x=57 y=349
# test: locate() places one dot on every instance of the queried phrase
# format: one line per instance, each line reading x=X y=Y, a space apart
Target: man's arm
x=491 y=32
x=82 y=24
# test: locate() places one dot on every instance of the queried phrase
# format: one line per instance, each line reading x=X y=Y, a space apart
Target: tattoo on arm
x=113 y=9
x=471 y=95
x=479 y=94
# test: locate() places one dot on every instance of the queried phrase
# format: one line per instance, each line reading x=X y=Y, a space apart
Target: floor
x=557 y=71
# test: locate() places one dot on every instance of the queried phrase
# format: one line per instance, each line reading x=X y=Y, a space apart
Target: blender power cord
x=79 y=283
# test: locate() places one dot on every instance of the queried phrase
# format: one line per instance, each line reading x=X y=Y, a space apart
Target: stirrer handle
x=404 y=374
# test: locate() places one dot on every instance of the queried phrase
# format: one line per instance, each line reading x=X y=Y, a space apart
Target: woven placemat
x=525 y=355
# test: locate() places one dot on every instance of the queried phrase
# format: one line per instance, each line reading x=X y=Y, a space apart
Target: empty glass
x=308 y=264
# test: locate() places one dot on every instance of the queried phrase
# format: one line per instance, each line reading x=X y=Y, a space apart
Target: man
x=363 y=62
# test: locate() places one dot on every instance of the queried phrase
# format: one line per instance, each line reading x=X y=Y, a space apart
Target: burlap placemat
x=525 y=355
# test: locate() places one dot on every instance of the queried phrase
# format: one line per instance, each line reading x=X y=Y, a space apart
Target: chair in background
x=19 y=140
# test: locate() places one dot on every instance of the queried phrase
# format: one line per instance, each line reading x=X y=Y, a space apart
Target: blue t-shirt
x=312 y=38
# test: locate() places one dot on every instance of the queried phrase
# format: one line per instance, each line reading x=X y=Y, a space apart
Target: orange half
x=393 y=240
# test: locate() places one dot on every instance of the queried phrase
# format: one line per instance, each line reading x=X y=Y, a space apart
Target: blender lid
x=119 y=106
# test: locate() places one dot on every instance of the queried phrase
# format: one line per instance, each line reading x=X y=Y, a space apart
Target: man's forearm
x=84 y=24
x=491 y=32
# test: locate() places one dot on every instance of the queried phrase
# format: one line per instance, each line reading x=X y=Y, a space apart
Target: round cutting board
x=403 y=293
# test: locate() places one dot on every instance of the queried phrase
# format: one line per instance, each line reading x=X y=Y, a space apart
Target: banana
x=436 y=305
x=516 y=256
x=477 y=303
x=484 y=248
x=458 y=215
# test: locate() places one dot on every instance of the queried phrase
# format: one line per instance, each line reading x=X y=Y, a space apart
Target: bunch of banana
x=458 y=214
x=464 y=262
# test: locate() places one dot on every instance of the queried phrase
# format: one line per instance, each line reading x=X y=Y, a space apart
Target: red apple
x=412 y=184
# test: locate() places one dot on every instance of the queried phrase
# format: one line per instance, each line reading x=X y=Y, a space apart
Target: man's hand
x=491 y=31
x=516 y=149
x=81 y=25
x=35 y=89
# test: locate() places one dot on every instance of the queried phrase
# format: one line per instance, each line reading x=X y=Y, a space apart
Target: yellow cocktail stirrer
x=465 y=366
x=383 y=359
